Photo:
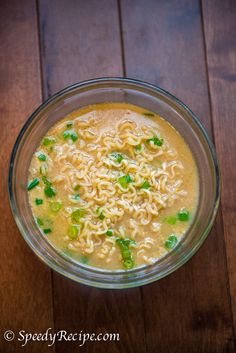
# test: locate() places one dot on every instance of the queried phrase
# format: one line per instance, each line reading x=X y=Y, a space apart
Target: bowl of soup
x=114 y=182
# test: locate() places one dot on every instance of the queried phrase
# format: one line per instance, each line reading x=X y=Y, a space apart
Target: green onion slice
x=32 y=184
x=156 y=141
x=49 y=191
x=49 y=140
x=171 y=242
x=73 y=231
x=75 y=197
x=78 y=214
x=145 y=185
x=72 y=134
x=171 y=219
x=183 y=215
x=125 y=180
x=47 y=230
x=38 y=201
x=126 y=252
x=39 y=221
x=100 y=213
x=138 y=148
x=55 y=206
x=117 y=157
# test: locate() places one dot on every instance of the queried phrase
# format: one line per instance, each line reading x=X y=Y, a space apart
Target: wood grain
x=80 y=40
x=220 y=29
x=25 y=283
x=189 y=310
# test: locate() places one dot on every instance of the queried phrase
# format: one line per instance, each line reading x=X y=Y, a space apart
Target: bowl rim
x=143 y=84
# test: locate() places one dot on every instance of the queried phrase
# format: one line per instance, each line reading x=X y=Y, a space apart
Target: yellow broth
x=113 y=186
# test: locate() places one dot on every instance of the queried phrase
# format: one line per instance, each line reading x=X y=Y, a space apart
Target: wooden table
x=184 y=46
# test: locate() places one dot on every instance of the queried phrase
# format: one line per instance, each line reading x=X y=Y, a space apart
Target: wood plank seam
x=44 y=93
x=214 y=141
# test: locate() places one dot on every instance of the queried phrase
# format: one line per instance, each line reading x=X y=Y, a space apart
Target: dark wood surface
x=184 y=46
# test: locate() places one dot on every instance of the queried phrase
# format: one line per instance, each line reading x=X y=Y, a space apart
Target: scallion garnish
x=43 y=169
x=171 y=242
x=73 y=231
x=69 y=124
x=84 y=259
x=75 y=197
x=117 y=157
x=41 y=156
x=32 y=184
x=100 y=214
x=50 y=191
x=78 y=214
x=156 y=141
x=126 y=252
x=171 y=219
x=125 y=180
x=183 y=215
x=145 y=185
x=38 y=201
x=47 y=230
x=72 y=134
x=55 y=206
x=49 y=140
x=109 y=232
x=39 y=221
x=138 y=148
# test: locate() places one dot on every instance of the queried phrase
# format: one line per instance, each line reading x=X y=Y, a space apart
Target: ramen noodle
x=113 y=186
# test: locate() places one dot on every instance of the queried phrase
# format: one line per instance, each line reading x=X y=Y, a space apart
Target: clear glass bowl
x=152 y=98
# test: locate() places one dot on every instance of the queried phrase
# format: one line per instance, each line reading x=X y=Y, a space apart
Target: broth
x=113 y=186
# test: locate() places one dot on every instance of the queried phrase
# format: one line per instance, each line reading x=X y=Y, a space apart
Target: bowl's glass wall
x=150 y=98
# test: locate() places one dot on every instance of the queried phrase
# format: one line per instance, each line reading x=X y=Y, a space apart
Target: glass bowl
x=149 y=97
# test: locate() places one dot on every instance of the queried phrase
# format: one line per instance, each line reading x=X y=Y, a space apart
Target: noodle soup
x=113 y=186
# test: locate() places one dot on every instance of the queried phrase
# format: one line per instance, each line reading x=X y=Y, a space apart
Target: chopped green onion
x=125 y=252
x=75 y=197
x=47 y=230
x=46 y=181
x=171 y=242
x=145 y=185
x=50 y=191
x=73 y=231
x=38 y=201
x=32 y=184
x=118 y=157
x=41 y=156
x=55 y=206
x=72 y=134
x=109 y=232
x=156 y=141
x=84 y=260
x=77 y=214
x=138 y=148
x=77 y=187
x=69 y=124
x=48 y=140
x=183 y=215
x=125 y=180
x=43 y=169
x=171 y=219
x=148 y=114
x=128 y=264
x=39 y=221
x=100 y=214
